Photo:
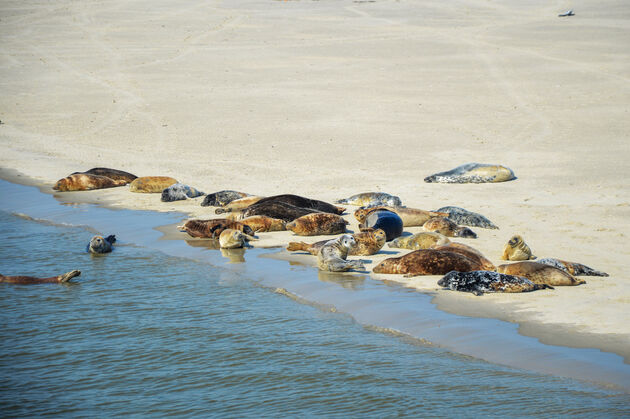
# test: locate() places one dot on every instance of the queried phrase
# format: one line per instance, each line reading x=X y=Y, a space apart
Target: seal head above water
x=98 y=244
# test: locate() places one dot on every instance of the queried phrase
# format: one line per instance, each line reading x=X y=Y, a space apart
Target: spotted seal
x=422 y=240
x=367 y=243
x=222 y=198
x=110 y=173
x=262 y=223
x=470 y=252
x=211 y=229
x=233 y=239
x=371 y=199
x=478 y=282
x=239 y=204
x=98 y=244
x=411 y=217
x=386 y=220
x=464 y=217
x=448 y=228
x=179 y=192
x=317 y=224
x=517 y=249
x=301 y=202
x=29 y=280
x=573 y=268
x=86 y=182
x=332 y=256
x=277 y=209
x=473 y=173
x=539 y=273
x=151 y=184
x=427 y=262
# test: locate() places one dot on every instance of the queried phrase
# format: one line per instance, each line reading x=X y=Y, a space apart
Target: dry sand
x=326 y=99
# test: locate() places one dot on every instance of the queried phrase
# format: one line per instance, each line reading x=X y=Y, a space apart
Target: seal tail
x=296 y=246
x=111 y=239
x=68 y=276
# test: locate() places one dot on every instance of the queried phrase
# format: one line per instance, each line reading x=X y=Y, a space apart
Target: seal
x=332 y=256
x=371 y=199
x=151 y=184
x=516 y=249
x=222 y=198
x=98 y=244
x=478 y=282
x=422 y=240
x=113 y=174
x=427 y=262
x=300 y=201
x=367 y=243
x=86 y=182
x=233 y=239
x=211 y=229
x=411 y=217
x=469 y=252
x=179 y=192
x=473 y=173
x=573 y=268
x=238 y=204
x=464 y=217
x=386 y=220
x=317 y=224
x=277 y=209
x=262 y=223
x=448 y=228
x=539 y=273
x=29 y=280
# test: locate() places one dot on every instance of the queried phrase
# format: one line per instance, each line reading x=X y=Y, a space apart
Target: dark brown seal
x=427 y=262
x=469 y=252
x=212 y=229
x=277 y=209
x=300 y=201
x=28 y=280
x=318 y=224
x=86 y=182
x=110 y=173
x=151 y=184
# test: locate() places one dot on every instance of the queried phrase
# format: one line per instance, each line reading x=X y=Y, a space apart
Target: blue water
x=145 y=333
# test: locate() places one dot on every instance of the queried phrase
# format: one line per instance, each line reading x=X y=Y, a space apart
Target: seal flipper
x=68 y=276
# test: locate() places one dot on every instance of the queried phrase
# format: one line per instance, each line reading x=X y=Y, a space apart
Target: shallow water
x=161 y=328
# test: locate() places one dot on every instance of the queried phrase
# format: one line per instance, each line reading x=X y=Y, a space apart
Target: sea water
x=179 y=330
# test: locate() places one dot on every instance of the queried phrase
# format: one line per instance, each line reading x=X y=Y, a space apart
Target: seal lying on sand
x=276 y=209
x=473 y=173
x=448 y=228
x=211 y=229
x=110 y=173
x=470 y=253
x=86 y=182
x=386 y=220
x=317 y=224
x=479 y=282
x=28 y=280
x=262 y=223
x=573 y=268
x=222 y=198
x=98 y=244
x=238 y=204
x=151 y=184
x=427 y=262
x=423 y=240
x=332 y=256
x=410 y=217
x=179 y=192
x=367 y=243
x=467 y=218
x=540 y=273
x=516 y=249
x=300 y=201
x=368 y=199
x=233 y=239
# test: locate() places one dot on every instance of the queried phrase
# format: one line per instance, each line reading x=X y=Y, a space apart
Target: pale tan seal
x=238 y=204
x=232 y=239
x=517 y=249
x=422 y=240
x=368 y=243
x=448 y=228
x=427 y=262
x=86 y=182
x=478 y=282
x=332 y=256
x=469 y=252
x=411 y=217
x=30 y=280
x=317 y=224
x=262 y=223
x=151 y=184
x=539 y=273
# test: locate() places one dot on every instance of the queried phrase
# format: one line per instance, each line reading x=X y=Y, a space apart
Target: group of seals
x=95 y=178
x=367 y=243
x=473 y=173
x=332 y=255
x=211 y=229
x=385 y=220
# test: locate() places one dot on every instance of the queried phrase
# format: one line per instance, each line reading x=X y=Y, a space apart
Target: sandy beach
x=326 y=99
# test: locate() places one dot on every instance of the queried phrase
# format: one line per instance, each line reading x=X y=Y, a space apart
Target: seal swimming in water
x=516 y=249
x=233 y=239
x=540 y=273
x=473 y=173
x=464 y=217
x=239 y=204
x=427 y=262
x=277 y=209
x=317 y=224
x=448 y=228
x=422 y=240
x=332 y=256
x=262 y=223
x=367 y=243
x=179 y=192
x=151 y=184
x=222 y=198
x=29 y=280
x=573 y=268
x=211 y=229
x=113 y=174
x=411 y=217
x=469 y=252
x=386 y=220
x=98 y=244
x=478 y=282
x=300 y=201
x=86 y=182
x=368 y=199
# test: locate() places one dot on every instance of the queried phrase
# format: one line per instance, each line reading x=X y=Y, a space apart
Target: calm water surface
x=147 y=334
